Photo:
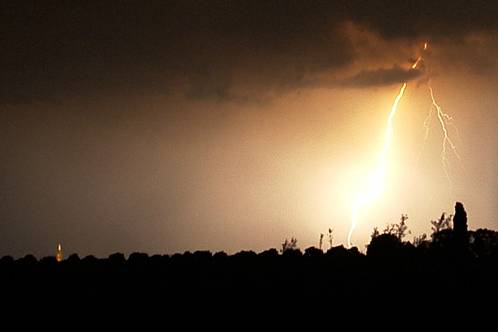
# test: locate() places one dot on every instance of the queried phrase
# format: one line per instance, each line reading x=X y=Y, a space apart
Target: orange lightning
x=415 y=64
x=374 y=186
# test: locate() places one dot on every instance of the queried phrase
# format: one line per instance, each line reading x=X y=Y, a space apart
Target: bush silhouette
x=384 y=245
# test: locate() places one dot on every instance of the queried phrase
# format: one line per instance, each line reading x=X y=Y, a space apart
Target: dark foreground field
x=424 y=274
x=454 y=273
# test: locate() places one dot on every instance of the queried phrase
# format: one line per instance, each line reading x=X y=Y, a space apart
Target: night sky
x=165 y=126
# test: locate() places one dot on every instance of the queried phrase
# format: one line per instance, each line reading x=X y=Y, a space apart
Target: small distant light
x=59 y=254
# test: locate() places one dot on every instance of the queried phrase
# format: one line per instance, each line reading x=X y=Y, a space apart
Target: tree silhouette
x=331 y=237
x=460 y=219
x=460 y=226
x=398 y=230
x=313 y=252
x=289 y=245
x=420 y=240
x=375 y=233
x=384 y=245
x=485 y=243
x=442 y=223
x=401 y=229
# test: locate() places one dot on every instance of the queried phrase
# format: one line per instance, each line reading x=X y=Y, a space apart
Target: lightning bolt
x=374 y=186
x=415 y=64
x=427 y=124
x=427 y=129
x=447 y=142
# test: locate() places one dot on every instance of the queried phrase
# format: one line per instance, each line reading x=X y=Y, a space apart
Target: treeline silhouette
x=451 y=267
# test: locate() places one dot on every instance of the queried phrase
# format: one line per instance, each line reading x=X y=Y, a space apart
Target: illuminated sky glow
x=182 y=125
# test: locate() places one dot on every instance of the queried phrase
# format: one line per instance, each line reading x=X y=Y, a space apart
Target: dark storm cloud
x=54 y=48
x=380 y=77
x=433 y=19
